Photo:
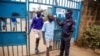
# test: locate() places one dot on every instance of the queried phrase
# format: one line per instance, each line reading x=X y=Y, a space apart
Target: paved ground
x=74 y=51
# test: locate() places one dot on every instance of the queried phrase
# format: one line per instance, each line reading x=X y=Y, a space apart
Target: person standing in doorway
x=13 y=22
x=37 y=23
x=3 y=23
x=48 y=33
x=68 y=26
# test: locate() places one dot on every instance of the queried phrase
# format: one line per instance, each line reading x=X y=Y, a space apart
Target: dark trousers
x=65 y=45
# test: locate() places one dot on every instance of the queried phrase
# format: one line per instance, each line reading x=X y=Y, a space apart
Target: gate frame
x=53 y=6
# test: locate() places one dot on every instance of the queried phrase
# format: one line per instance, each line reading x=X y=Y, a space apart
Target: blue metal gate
x=18 y=38
x=13 y=34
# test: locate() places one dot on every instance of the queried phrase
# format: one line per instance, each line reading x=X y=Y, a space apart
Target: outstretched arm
x=58 y=22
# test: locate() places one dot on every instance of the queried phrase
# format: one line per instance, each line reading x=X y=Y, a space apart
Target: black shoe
x=36 y=51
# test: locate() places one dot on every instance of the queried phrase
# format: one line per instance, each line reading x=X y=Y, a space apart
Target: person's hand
x=55 y=17
x=69 y=38
x=29 y=32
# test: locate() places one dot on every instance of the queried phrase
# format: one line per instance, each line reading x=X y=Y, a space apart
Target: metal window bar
x=62 y=3
x=45 y=1
x=76 y=6
x=49 y=1
x=55 y=2
x=73 y=5
x=38 y=1
x=70 y=5
x=66 y=2
x=3 y=50
x=58 y=2
x=10 y=25
x=35 y=0
x=16 y=25
x=17 y=51
x=21 y=24
x=0 y=26
x=6 y=25
x=8 y=50
x=12 y=50
x=22 y=49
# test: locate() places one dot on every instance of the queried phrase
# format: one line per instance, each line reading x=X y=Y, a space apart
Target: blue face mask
x=51 y=19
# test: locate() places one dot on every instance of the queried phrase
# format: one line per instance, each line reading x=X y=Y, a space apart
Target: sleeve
x=31 y=24
x=44 y=27
x=16 y=20
x=73 y=26
x=59 y=23
x=42 y=22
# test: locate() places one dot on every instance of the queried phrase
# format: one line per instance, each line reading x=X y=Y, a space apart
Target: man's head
x=50 y=17
x=38 y=14
x=68 y=13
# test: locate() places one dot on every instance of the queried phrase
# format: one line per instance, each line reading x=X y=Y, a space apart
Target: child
x=37 y=24
x=3 y=23
x=13 y=22
x=48 y=32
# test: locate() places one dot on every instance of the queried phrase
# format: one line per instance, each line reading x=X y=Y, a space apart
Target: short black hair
x=70 y=11
x=15 y=14
x=2 y=18
x=38 y=12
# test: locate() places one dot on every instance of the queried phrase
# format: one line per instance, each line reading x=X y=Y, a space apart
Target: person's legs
x=67 y=47
x=62 y=47
x=47 y=48
x=13 y=25
x=13 y=28
x=37 y=44
x=3 y=24
x=38 y=36
x=51 y=44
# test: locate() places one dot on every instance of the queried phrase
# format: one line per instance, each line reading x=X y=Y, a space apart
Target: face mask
x=38 y=14
x=50 y=20
x=67 y=15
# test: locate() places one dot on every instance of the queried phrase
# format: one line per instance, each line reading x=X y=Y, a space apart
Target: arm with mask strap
x=58 y=22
